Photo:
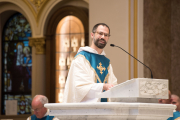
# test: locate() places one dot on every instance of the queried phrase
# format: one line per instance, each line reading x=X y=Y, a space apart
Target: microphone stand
x=112 y=45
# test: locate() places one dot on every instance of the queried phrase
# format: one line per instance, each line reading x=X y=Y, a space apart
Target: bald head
x=38 y=105
x=175 y=101
x=41 y=98
x=175 y=96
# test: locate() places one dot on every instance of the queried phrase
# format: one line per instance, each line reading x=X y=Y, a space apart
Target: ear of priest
x=90 y=72
x=40 y=112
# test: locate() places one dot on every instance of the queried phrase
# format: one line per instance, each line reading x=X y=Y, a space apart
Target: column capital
x=39 y=44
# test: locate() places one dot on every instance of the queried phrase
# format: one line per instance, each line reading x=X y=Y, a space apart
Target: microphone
x=112 y=45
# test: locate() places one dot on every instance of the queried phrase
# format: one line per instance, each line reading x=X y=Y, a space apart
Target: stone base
x=111 y=111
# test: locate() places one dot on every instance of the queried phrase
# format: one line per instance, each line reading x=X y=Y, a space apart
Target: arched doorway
x=69 y=37
x=63 y=14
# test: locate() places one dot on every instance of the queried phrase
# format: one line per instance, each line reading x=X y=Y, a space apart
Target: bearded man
x=90 y=72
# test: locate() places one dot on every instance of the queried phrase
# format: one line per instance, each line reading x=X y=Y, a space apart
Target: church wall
x=175 y=47
x=157 y=38
x=115 y=15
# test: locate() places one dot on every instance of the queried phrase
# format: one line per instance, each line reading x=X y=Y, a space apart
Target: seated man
x=175 y=101
x=40 y=112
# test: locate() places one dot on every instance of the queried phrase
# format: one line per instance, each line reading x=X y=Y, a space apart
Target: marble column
x=157 y=38
x=175 y=44
x=38 y=65
x=162 y=41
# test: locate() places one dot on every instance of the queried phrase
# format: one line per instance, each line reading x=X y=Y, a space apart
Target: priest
x=90 y=72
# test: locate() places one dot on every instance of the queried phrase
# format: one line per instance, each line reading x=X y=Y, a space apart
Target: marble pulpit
x=135 y=99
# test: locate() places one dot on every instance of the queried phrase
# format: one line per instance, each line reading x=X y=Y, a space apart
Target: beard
x=98 y=44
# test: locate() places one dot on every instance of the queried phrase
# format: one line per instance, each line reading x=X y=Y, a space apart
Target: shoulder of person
x=29 y=118
x=55 y=118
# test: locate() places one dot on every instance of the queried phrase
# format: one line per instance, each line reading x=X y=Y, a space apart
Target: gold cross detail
x=101 y=68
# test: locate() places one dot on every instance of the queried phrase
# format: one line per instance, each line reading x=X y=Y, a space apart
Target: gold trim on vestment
x=96 y=76
x=177 y=118
x=107 y=76
x=108 y=66
x=100 y=68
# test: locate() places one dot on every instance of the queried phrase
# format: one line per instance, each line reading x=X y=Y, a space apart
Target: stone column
x=157 y=38
x=38 y=65
x=175 y=47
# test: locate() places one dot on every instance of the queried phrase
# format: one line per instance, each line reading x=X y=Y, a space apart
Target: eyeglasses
x=37 y=110
x=101 y=34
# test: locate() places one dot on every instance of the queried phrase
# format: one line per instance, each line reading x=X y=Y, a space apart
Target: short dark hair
x=95 y=27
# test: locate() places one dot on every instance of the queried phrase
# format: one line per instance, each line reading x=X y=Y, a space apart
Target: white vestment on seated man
x=80 y=84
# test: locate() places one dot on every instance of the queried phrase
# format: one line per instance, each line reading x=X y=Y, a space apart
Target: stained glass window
x=17 y=63
x=70 y=37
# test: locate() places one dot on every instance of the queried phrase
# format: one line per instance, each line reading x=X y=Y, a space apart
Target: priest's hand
x=107 y=86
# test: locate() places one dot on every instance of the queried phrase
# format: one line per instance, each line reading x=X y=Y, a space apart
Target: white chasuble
x=87 y=74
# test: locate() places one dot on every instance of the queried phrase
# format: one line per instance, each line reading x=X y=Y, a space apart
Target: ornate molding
x=37 y=3
x=36 y=7
x=153 y=87
x=39 y=43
